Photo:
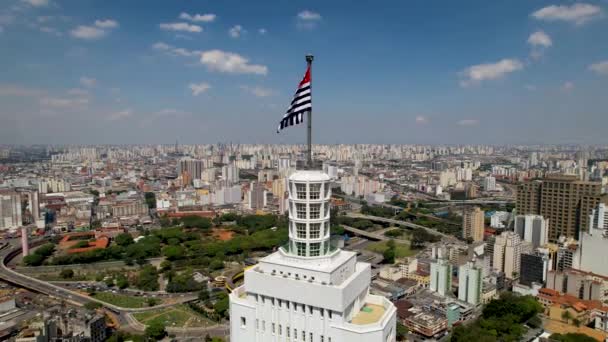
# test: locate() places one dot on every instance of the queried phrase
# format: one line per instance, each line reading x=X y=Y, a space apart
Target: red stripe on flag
x=306 y=78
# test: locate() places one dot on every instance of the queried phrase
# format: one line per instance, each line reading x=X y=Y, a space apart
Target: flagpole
x=309 y=59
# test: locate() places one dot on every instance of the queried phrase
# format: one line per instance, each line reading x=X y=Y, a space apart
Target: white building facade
x=308 y=290
x=470 y=283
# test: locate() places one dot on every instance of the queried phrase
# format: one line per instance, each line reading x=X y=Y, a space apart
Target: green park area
x=179 y=316
x=402 y=250
x=124 y=301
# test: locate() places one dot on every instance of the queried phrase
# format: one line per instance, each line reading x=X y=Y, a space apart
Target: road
x=398 y=222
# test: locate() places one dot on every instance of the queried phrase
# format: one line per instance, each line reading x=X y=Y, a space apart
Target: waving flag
x=301 y=103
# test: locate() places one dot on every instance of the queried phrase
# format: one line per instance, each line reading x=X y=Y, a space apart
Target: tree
x=155 y=331
x=221 y=306
x=571 y=337
x=122 y=282
x=203 y=294
x=196 y=222
x=150 y=199
x=394 y=233
x=401 y=332
x=152 y=301
x=33 y=259
x=147 y=279
x=66 y=273
x=566 y=316
x=123 y=239
x=576 y=322
x=389 y=255
x=174 y=252
x=92 y=305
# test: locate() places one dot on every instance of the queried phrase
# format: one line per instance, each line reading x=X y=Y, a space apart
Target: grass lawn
x=175 y=316
x=121 y=300
x=402 y=250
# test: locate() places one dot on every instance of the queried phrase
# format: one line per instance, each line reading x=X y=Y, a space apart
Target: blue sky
x=425 y=71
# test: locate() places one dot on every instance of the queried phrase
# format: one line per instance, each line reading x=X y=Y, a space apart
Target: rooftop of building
x=309 y=176
x=369 y=313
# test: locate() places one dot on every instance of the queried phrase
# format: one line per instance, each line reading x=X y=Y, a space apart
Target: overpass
x=398 y=222
x=369 y=235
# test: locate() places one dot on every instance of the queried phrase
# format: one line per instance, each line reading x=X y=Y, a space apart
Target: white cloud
x=236 y=31
x=540 y=38
x=309 y=15
x=229 y=62
x=539 y=41
x=64 y=103
x=258 y=91
x=601 y=68
x=181 y=27
x=567 y=86
x=308 y=19
x=88 y=81
x=78 y=92
x=422 y=120
x=490 y=71
x=199 y=88
x=17 y=90
x=578 y=13
x=106 y=24
x=262 y=31
x=87 y=32
x=167 y=112
x=205 y=18
x=123 y=114
x=50 y=30
x=36 y=3
x=174 y=51
x=468 y=122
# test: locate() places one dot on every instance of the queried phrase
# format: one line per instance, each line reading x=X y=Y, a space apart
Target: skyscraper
x=309 y=290
x=532 y=228
x=441 y=277
x=473 y=224
x=507 y=253
x=564 y=201
x=10 y=210
x=469 y=283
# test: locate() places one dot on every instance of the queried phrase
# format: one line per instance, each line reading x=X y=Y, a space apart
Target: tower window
x=315 y=249
x=243 y=322
x=301 y=191
x=315 y=211
x=315 y=191
x=315 y=230
x=301 y=210
x=301 y=230
x=301 y=248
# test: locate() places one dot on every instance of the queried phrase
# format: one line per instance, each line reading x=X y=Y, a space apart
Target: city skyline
x=517 y=73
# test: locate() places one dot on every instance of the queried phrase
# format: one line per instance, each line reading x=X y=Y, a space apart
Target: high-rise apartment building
x=564 y=201
x=534 y=268
x=257 y=196
x=470 y=283
x=507 y=253
x=10 y=210
x=309 y=290
x=193 y=167
x=489 y=183
x=473 y=224
x=533 y=229
x=230 y=173
x=441 y=277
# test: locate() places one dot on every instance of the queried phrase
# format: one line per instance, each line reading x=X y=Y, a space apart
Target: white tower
x=308 y=290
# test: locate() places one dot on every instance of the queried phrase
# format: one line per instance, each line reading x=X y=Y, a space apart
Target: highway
x=398 y=222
